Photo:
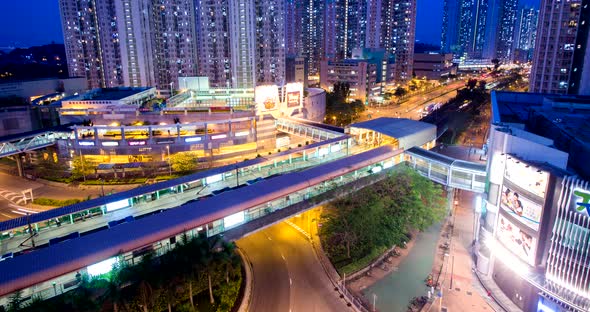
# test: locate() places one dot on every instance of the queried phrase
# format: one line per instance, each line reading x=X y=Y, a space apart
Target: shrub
x=55 y=202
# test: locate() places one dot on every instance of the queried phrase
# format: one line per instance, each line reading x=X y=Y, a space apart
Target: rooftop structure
x=434 y=66
x=560 y=121
x=401 y=132
x=103 y=97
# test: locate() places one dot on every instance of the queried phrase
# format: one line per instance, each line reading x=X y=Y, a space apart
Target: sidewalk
x=460 y=288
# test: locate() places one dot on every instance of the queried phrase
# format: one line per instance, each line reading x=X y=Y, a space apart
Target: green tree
x=496 y=63
x=400 y=92
x=81 y=168
x=471 y=83
x=228 y=258
x=82 y=298
x=15 y=301
x=207 y=258
x=482 y=85
x=390 y=208
x=189 y=258
x=113 y=287
x=184 y=161
x=341 y=90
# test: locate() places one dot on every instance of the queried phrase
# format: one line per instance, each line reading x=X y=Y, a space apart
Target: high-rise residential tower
x=129 y=42
x=270 y=41
x=172 y=33
x=450 y=27
x=464 y=27
x=313 y=34
x=526 y=28
x=580 y=73
x=478 y=39
x=525 y=31
x=82 y=41
x=559 y=37
x=403 y=33
x=375 y=24
x=214 y=54
x=305 y=30
x=505 y=30
x=478 y=28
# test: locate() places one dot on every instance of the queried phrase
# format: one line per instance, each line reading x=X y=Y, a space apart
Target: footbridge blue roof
x=69 y=256
x=150 y=188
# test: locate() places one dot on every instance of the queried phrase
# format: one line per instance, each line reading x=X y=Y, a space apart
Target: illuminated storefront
x=533 y=232
x=568 y=263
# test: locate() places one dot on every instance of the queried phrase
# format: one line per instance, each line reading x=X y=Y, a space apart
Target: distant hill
x=420 y=47
x=44 y=61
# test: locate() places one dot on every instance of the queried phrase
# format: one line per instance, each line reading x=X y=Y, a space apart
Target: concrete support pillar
x=19 y=165
x=450 y=198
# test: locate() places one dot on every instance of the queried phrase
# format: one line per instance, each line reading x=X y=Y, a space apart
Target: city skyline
x=37 y=22
x=312 y=136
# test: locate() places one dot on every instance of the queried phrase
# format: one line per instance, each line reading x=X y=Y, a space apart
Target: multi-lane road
x=287 y=275
x=413 y=106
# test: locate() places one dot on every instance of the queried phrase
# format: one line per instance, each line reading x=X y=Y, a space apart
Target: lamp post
x=374 y=302
x=102 y=186
x=83 y=167
x=169 y=162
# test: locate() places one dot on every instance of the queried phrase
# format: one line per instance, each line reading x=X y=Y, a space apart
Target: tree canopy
x=380 y=215
x=339 y=110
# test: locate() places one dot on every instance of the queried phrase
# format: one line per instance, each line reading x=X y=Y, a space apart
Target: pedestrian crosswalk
x=13 y=197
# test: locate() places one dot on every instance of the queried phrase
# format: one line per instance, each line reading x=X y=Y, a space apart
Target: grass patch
x=167 y=177
x=57 y=179
x=55 y=202
x=362 y=262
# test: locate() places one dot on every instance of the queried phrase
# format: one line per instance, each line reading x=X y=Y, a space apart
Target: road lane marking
x=282 y=256
x=290 y=281
x=269 y=238
x=10 y=217
x=27 y=210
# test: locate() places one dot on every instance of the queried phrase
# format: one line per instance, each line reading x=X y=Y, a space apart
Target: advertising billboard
x=523 y=209
x=266 y=98
x=516 y=240
x=293 y=99
x=526 y=176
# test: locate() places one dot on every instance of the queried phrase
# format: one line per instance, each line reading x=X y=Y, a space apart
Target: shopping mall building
x=534 y=227
x=129 y=125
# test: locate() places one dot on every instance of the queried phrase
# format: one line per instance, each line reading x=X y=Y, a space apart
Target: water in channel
x=396 y=290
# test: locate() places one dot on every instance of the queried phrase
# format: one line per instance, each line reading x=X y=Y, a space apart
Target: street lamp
x=101 y=185
x=169 y=163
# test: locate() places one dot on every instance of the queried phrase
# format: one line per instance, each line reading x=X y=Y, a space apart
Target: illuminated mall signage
x=581 y=200
x=136 y=143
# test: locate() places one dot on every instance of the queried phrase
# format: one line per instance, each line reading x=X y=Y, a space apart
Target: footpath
x=452 y=271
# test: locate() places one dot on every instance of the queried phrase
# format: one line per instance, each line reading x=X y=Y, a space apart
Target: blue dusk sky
x=36 y=22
